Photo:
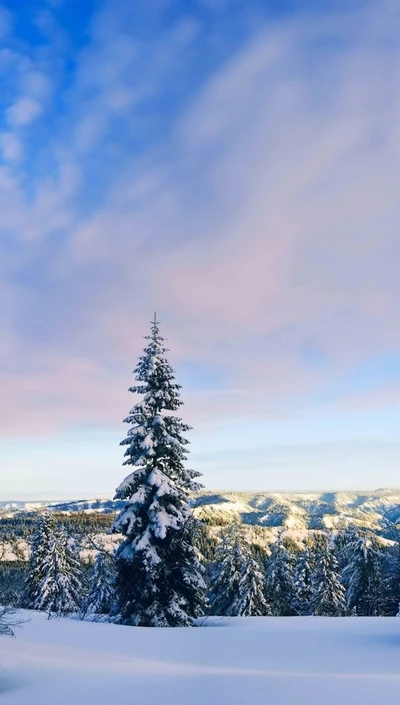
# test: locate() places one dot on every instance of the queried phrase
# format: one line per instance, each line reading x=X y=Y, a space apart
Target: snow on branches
x=159 y=574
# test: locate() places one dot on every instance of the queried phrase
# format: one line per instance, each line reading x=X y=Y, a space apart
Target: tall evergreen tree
x=237 y=587
x=279 y=580
x=41 y=542
x=101 y=596
x=159 y=579
x=60 y=588
x=363 y=575
x=328 y=599
x=302 y=585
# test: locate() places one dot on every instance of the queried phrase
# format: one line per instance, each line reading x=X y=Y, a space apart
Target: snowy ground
x=279 y=661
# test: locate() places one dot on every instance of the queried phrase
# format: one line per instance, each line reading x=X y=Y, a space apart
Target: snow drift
x=279 y=661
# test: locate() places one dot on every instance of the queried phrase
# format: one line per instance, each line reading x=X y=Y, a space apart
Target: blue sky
x=234 y=166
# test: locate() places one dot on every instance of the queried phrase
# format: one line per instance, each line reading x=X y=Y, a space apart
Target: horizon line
x=101 y=497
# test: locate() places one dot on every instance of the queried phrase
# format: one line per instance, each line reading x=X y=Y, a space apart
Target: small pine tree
x=363 y=575
x=100 y=599
x=237 y=587
x=328 y=599
x=60 y=588
x=302 y=586
x=8 y=620
x=41 y=542
x=280 y=579
x=159 y=579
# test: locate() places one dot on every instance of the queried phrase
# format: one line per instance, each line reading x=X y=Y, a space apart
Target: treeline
x=333 y=574
x=328 y=574
x=21 y=525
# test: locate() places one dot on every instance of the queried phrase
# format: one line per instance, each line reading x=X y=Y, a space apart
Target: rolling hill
x=378 y=510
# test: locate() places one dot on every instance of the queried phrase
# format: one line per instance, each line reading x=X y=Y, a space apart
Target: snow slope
x=276 y=661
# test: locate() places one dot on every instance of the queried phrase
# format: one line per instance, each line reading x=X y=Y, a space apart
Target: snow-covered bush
x=328 y=598
x=303 y=584
x=280 y=579
x=60 y=588
x=363 y=574
x=100 y=600
x=42 y=539
x=237 y=582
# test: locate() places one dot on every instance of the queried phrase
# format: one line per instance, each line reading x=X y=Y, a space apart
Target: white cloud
x=23 y=112
x=11 y=147
x=35 y=84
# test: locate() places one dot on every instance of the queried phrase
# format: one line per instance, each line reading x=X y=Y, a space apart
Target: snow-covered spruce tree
x=238 y=582
x=363 y=575
x=328 y=599
x=42 y=539
x=302 y=586
x=60 y=589
x=159 y=575
x=101 y=596
x=279 y=580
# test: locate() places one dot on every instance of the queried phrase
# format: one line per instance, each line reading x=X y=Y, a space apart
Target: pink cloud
x=268 y=220
x=381 y=396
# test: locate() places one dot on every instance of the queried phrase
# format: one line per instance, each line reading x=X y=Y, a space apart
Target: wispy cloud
x=10 y=147
x=255 y=209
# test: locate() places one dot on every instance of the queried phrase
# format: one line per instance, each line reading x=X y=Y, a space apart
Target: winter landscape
x=206 y=597
x=199 y=352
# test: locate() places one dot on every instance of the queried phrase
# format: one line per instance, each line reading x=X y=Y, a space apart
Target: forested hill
x=378 y=510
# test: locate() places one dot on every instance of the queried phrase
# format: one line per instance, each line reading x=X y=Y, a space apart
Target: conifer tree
x=40 y=547
x=363 y=575
x=302 y=586
x=328 y=599
x=8 y=620
x=237 y=586
x=60 y=588
x=159 y=579
x=279 y=580
x=101 y=596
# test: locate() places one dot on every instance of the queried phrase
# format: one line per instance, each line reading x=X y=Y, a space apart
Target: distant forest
x=360 y=569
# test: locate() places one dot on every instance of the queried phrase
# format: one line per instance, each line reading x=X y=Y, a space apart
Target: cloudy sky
x=233 y=165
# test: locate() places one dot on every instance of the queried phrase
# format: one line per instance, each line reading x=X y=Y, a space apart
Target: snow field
x=233 y=661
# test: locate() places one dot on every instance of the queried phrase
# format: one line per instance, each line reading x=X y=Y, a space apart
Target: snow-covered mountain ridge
x=378 y=510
